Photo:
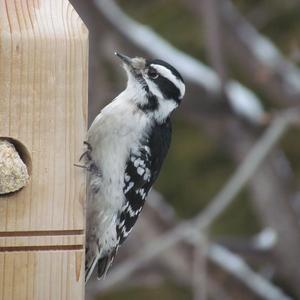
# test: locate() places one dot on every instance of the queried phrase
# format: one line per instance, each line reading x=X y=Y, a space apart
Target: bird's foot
x=87 y=153
x=90 y=168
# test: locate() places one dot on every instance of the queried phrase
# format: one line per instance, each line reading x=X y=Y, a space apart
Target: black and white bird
x=126 y=146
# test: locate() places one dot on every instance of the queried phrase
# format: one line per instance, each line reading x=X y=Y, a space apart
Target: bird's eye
x=152 y=73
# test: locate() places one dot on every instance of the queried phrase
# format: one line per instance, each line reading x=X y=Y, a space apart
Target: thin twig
x=235 y=265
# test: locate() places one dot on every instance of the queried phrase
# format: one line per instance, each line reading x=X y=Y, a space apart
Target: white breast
x=114 y=132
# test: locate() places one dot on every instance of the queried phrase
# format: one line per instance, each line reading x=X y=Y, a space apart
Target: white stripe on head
x=154 y=89
x=165 y=72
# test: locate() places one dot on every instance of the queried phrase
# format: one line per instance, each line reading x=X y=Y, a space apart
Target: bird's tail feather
x=104 y=263
x=89 y=269
x=102 y=267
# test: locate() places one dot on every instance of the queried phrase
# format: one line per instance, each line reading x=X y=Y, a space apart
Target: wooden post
x=43 y=110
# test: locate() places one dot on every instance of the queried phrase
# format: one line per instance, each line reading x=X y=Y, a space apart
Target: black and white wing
x=142 y=169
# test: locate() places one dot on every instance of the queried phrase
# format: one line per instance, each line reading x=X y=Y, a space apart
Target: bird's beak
x=126 y=59
x=136 y=64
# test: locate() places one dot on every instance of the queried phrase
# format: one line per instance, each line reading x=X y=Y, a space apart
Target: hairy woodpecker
x=126 y=146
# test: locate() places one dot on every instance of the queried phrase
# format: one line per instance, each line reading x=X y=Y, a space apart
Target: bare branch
x=259 y=245
x=247 y=168
x=210 y=13
x=200 y=273
x=261 y=60
x=256 y=53
x=158 y=203
x=261 y=15
x=235 y=265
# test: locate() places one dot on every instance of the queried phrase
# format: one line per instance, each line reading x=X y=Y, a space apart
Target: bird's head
x=155 y=86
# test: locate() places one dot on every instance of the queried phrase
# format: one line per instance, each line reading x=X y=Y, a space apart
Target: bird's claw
x=86 y=153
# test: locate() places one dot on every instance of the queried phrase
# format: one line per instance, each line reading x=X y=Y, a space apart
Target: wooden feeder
x=43 y=114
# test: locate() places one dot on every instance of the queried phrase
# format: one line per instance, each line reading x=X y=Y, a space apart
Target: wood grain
x=40 y=275
x=43 y=104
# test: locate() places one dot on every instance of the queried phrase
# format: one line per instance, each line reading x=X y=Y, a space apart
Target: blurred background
x=233 y=169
